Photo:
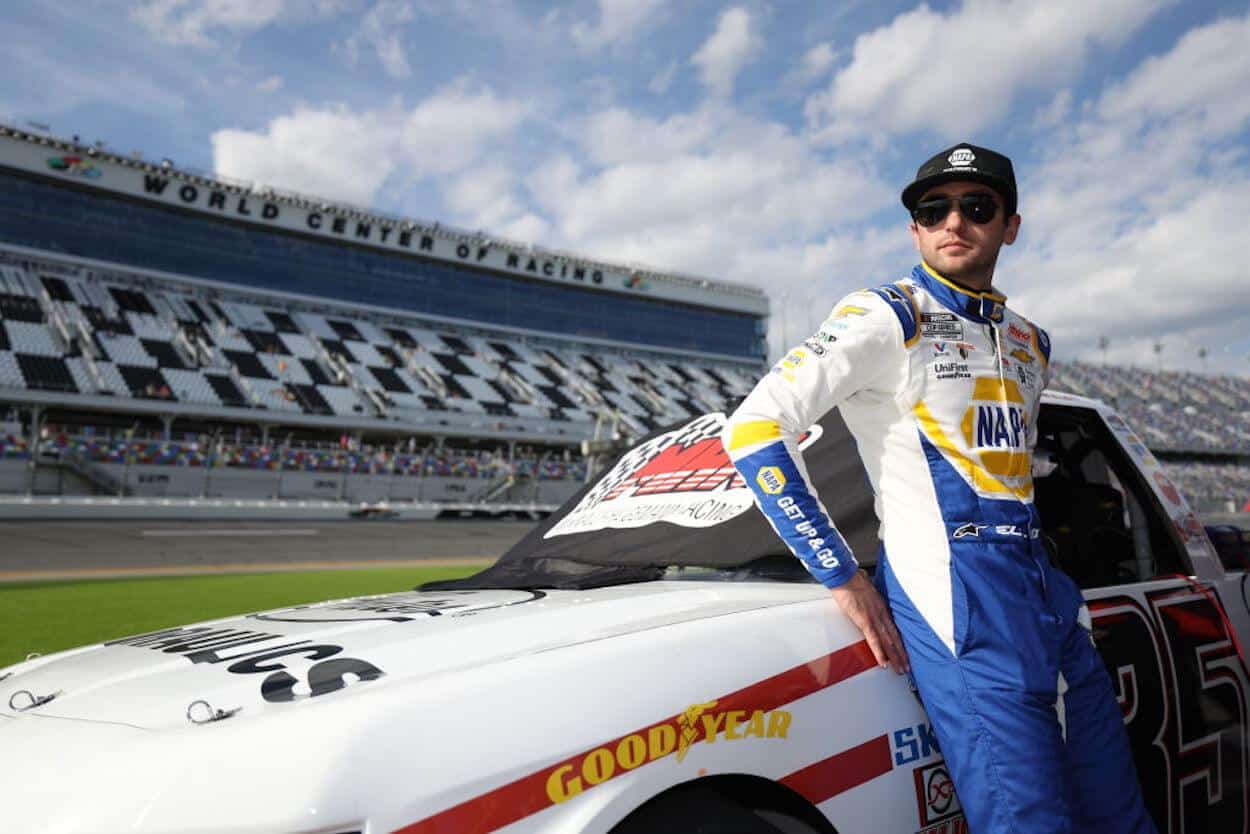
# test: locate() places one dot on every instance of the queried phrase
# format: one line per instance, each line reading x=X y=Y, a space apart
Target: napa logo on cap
x=961 y=157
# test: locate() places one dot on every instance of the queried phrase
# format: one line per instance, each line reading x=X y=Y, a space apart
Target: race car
x=648 y=659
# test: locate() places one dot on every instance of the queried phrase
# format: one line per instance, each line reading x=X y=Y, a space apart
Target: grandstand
x=152 y=317
x=164 y=332
x=1198 y=425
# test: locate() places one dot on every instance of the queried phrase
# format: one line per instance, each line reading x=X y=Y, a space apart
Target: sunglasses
x=979 y=208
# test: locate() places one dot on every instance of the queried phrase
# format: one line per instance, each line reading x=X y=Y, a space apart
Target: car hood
x=278 y=660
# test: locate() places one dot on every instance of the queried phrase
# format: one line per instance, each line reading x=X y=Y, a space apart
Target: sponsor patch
x=849 y=310
x=771 y=480
x=961 y=157
x=794 y=358
x=1019 y=334
x=969 y=530
x=816 y=345
x=682 y=477
x=941 y=326
x=951 y=370
x=1021 y=355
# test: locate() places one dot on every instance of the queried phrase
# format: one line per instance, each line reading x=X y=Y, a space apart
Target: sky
x=763 y=143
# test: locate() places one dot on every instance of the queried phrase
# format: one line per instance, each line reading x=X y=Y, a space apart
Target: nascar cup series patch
x=682 y=477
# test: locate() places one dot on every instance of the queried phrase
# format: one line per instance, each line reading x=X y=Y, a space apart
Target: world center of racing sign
x=682 y=477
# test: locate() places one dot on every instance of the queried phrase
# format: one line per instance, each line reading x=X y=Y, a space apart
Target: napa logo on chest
x=995 y=427
x=998 y=427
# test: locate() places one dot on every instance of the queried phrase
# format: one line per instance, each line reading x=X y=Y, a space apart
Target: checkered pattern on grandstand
x=142 y=339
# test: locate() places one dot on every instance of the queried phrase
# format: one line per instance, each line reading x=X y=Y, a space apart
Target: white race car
x=647 y=660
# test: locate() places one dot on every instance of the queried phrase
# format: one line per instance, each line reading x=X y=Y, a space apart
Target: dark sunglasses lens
x=979 y=208
x=931 y=212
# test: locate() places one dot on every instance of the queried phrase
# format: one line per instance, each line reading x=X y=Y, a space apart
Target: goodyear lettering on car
x=698 y=723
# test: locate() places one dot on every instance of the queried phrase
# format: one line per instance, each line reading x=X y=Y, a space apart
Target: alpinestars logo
x=683 y=477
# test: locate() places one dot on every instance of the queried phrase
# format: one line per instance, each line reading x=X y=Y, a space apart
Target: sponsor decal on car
x=936 y=799
x=817 y=782
x=913 y=744
x=205 y=644
x=1168 y=490
x=699 y=723
x=399 y=608
x=682 y=477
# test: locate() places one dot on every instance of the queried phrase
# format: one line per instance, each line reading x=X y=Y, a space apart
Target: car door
x=1116 y=525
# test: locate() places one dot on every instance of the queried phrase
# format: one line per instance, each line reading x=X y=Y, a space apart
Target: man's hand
x=860 y=601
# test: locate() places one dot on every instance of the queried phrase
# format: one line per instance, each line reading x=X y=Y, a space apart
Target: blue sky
x=758 y=142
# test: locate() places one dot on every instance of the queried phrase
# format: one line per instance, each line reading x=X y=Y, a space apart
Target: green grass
x=47 y=617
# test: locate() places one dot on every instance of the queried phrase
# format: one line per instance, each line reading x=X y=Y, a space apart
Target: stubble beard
x=977 y=273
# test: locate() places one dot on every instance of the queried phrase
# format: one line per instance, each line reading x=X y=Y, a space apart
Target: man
x=940 y=384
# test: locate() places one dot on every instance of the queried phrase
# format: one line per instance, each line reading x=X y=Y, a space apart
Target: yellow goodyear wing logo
x=771 y=480
x=709 y=722
x=1022 y=355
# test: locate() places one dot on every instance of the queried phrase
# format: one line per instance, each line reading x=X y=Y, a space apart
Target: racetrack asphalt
x=31 y=550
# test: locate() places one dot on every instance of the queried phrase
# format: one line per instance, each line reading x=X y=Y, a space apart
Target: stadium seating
x=132 y=336
x=1171 y=410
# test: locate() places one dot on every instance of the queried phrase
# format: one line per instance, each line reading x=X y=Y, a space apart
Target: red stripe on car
x=529 y=794
x=837 y=774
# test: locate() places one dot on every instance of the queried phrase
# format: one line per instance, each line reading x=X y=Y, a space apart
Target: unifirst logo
x=771 y=480
x=698 y=723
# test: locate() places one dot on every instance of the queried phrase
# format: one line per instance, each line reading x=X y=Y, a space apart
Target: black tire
x=698 y=809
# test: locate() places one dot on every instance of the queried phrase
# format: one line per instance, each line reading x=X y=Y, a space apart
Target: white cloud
x=331 y=153
x=723 y=55
x=1133 y=223
x=484 y=197
x=381 y=31
x=709 y=192
x=449 y=129
x=193 y=22
x=619 y=22
x=817 y=61
x=270 y=85
x=619 y=135
x=1055 y=113
x=956 y=73
x=339 y=153
x=1204 y=79
x=662 y=80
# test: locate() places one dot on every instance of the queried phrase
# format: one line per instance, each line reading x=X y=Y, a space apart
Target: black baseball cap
x=965 y=162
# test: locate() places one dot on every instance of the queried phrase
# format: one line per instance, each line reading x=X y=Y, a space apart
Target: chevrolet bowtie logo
x=970 y=529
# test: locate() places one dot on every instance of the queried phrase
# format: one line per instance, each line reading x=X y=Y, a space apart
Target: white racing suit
x=940 y=387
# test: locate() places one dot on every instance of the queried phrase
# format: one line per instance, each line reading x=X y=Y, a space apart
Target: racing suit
x=940 y=387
